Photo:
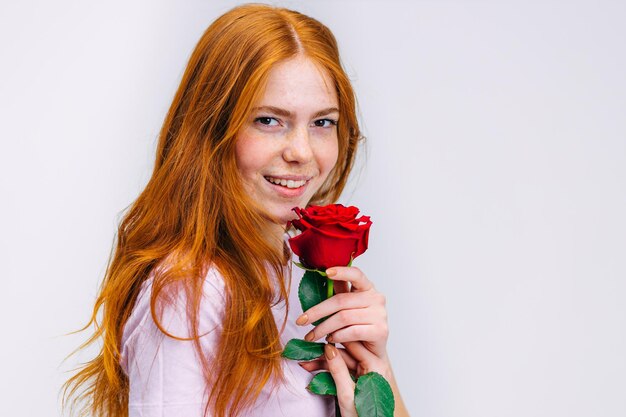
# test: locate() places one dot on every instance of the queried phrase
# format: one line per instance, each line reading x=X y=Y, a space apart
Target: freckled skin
x=302 y=143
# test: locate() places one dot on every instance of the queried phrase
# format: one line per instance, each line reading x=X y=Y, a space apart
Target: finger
x=368 y=361
x=362 y=332
x=350 y=274
x=351 y=363
x=347 y=318
x=343 y=301
x=345 y=386
x=359 y=352
x=317 y=364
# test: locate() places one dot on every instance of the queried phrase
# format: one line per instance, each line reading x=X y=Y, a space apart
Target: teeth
x=286 y=183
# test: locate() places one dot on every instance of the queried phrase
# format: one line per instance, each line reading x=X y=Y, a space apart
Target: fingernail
x=330 y=352
x=329 y=338
x=309 y=337
x=331 y=272
x=301 y=321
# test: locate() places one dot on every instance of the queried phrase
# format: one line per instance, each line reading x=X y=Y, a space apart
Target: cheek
x=246 y=154
x=331 y=153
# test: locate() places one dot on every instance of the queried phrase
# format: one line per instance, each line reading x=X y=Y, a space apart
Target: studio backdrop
x=494 y=170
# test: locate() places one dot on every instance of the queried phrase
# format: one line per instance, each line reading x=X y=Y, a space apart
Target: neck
x=277 y=233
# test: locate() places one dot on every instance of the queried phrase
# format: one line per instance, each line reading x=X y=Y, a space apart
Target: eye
x=267 y=121
x=325 y=123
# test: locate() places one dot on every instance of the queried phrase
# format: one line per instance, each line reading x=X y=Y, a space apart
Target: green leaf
x=301 y=350
x=373 y=396
x=312 y=291
x=322 y=384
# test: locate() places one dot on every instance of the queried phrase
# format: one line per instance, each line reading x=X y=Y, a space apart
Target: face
x=289 y=145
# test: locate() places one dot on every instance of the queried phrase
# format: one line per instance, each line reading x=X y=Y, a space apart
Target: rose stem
x=329 y=288
x=329 y=292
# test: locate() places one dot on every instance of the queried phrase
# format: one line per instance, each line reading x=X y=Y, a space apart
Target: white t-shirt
x=165 y=374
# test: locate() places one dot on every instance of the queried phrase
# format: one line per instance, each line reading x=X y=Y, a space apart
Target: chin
x=287 y=214
x=284 y=218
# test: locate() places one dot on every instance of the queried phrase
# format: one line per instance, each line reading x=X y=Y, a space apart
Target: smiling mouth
x=286 y=183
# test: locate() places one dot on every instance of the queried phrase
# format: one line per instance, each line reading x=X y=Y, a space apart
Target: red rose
x=331 y=235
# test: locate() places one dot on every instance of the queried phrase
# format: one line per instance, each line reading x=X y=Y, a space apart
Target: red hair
x=193 y=213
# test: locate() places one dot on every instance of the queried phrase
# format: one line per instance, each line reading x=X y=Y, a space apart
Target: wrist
x=383 y=367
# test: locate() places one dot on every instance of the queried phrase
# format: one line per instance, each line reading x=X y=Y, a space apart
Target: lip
x=290 y=177
x=288 y=192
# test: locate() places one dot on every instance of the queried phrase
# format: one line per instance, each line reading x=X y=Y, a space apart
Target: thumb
x=341 y=375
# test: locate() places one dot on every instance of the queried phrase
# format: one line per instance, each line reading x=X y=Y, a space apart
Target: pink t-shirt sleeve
x=165 y=373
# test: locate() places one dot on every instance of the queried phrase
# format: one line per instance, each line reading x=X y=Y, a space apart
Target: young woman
x=198 y=299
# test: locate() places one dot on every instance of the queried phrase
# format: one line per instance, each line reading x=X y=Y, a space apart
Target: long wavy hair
x=193 y=214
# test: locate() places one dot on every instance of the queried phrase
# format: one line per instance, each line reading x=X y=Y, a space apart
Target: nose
x=298 y=146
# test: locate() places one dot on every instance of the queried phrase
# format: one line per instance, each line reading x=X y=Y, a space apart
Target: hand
x=357 y=358
x=357 y=312
x=338 y=368
x=344 y=383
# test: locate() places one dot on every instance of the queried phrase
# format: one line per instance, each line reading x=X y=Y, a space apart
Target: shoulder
x=173 y=308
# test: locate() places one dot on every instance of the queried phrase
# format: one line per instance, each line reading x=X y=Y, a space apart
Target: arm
x=164 y=372
x=401 y=410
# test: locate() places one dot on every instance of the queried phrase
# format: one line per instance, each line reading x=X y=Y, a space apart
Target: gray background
x=495 y=176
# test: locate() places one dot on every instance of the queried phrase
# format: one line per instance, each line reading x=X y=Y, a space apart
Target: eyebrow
x=287 y=113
